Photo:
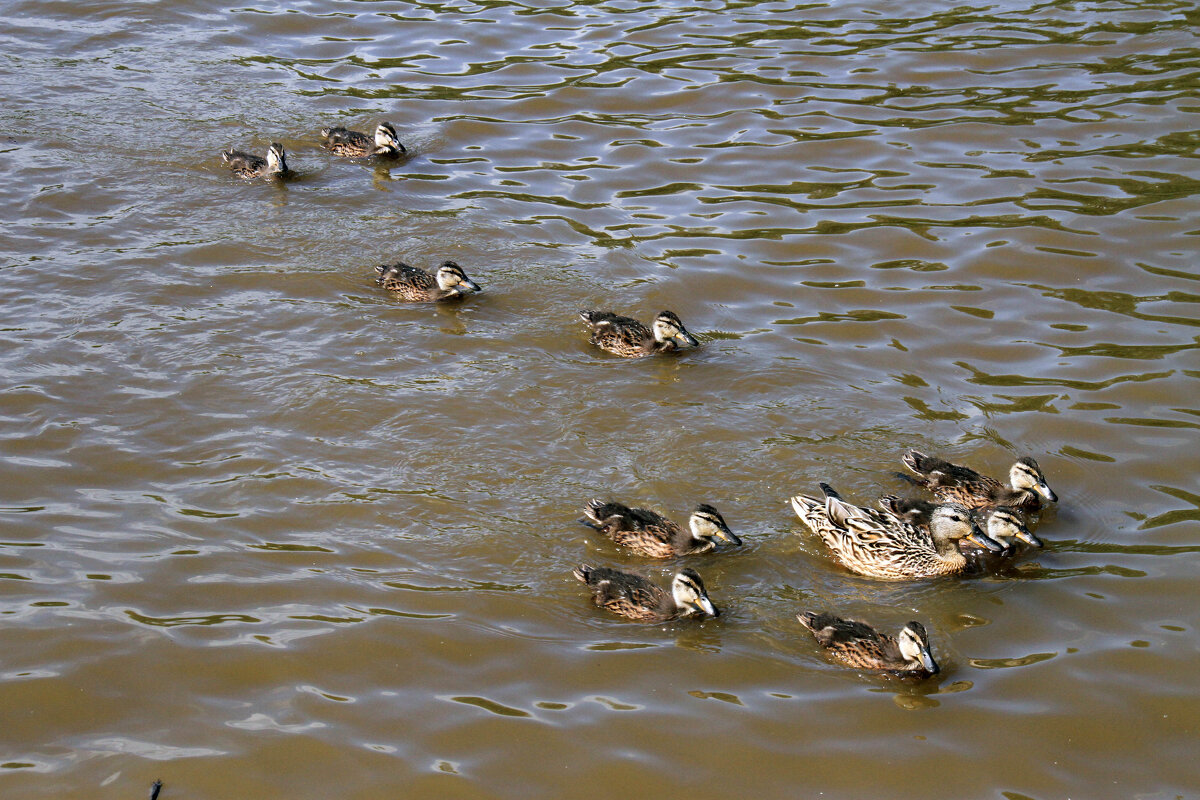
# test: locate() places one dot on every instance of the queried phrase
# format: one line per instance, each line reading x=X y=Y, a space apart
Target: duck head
x=708 y=524
x=951 y=522
x=451 y=278
x=914 y=647
x=386 y=139
x=1027 y=475
x=668 y=328
x=1004 y=524
x=688 y=591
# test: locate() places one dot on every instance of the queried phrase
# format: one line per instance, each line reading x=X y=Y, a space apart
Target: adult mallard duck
x=247 y=165
x=628 y=338
x=648 y=533
x=857 y=644
x=964 y=485
x=1003 y=524
x=345 y=142
x=637 y=598
x=415 y=284
x=880 y=544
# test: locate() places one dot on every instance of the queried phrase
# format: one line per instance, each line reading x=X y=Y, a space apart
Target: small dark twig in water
x=155 y=788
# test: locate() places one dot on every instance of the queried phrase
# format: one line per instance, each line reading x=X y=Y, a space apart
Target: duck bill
x=983 y=540
x=1045 y=491
x=704 y=606
x=1028 y=538
x=685 y=339
x=468 y=285
x=928 y=663
x=728 y=536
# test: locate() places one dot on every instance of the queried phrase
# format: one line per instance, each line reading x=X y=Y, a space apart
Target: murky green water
x=268 y=532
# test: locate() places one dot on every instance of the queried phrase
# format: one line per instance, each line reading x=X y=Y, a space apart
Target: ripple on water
x=249 y=494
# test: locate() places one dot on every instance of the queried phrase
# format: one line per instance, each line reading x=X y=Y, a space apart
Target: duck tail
x=808 y=619
x=591 y=516
x=890 y=503
x=819 y=622
x=830 y=491
x=595 y=318
x=583 y=572
x=918 y=462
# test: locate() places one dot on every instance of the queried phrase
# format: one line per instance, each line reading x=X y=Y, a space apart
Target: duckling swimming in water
x=964 y=485
x=649 y=533
x=880 y=544
x=415 y=284
x=637 y=598
x=247 y=165
x=628 y=338
x=857 y=644
x=352 y=144
x=1002 y=523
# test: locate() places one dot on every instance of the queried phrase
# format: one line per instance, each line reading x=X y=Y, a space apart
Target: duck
x=857 y=644
x=248 y=165
x=880 y=544
x=345 y=142
x=415 y=284
x=155 y=788
x=650 y=534
x=628 y=338
x=966 y=486
x=1003 y=524
x=638 y=598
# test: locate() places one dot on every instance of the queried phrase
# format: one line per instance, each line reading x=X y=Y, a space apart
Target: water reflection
x=236 y=470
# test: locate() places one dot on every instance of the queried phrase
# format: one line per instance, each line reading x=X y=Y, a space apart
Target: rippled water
x=269 y=532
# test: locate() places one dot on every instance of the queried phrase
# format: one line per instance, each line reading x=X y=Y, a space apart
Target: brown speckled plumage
x=857 y=644
x=880 y=544
x=637 y=598
x=628 y=338
x=352 y=144
x=1003 y=524
x=417 y=285
x=248 y=165
x=974 y=490
x=650 y=534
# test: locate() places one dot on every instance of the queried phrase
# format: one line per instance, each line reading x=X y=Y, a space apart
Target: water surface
x=269 y=532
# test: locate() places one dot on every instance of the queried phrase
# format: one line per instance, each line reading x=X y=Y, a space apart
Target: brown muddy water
x=268 y=532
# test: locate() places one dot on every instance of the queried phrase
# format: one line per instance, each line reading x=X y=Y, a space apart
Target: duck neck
x=947 y=550
x=1025 y=499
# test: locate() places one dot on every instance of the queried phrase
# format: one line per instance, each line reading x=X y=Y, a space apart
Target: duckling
x=857 y=644
x=247 y=165
x=637 y=598
x=414 y=283
x=964 y=485
x=344 y=142
x=648 y=533
x=628 y=338
x=880 y=544
x=1002 y=523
